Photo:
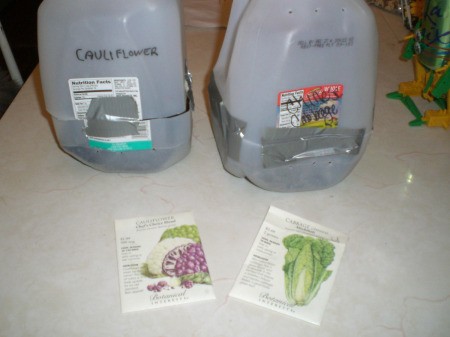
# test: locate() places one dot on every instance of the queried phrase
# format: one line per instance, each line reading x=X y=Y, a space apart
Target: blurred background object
x=19 y=24
x=389 y=5
x=18 y=19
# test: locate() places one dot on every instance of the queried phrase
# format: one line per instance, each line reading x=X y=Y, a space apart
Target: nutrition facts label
x=291 y=106
x=83 y=90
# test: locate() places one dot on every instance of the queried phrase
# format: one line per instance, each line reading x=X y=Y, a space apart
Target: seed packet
x=291 y=266
x=161 y=262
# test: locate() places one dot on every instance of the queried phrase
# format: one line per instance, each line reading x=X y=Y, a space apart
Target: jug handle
x=237 y=9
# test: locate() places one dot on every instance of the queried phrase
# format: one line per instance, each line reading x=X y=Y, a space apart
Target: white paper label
x=83 y=90
x=291 y=266
x=161 y=262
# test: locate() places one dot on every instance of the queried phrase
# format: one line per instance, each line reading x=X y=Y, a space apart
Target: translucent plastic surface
x=105 y=38
x=294 y=64
x=92 y=53
x=170 y=146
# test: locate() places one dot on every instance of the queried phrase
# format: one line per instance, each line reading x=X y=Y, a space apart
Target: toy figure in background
x=412 y=12
x=388 y=5
x=429 y=48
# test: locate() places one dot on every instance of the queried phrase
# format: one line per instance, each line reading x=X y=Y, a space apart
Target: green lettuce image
x=305 y=267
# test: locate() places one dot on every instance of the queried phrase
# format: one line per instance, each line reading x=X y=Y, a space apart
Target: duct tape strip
x=228 y=131
x=280 y=146
x=189 y=92
x=286 y=146
x=109 y=117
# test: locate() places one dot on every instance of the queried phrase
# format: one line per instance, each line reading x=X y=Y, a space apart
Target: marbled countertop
x=58 y=260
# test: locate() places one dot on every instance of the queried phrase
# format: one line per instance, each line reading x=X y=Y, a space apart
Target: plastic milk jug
x=292 y=92
x=115 y=81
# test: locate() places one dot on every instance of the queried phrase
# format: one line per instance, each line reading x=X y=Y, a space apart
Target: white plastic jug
x=115 y=81
x=292 y=93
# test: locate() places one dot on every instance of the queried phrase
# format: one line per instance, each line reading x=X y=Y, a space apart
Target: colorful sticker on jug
x=111 y=110
x=317 y=106
x=138 y=142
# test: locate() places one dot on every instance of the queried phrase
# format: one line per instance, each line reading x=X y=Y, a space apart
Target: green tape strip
x=121 y=146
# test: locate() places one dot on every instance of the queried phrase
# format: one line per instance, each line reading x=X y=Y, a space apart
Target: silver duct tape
x=287 y=146
x=189 y=93
x=228 y=130
x=109 y=117
x=279 y=146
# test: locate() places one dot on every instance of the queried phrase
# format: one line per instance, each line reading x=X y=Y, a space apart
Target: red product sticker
x=317 y=106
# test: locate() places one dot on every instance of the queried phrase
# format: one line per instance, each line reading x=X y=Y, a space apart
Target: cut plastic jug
x=115 y=81
x=292 y=93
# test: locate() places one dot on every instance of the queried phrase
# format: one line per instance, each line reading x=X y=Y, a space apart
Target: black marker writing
x=111 y=55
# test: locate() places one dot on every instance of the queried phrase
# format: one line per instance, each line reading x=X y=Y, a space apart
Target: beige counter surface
x=58 y=260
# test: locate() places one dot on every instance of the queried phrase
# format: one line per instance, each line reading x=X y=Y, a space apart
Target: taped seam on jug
x=286 y=146
x=109 y=117
x=228 y=130
x=118 y=116
x=188 y=87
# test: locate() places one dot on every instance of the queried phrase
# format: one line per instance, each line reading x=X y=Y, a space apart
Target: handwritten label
x=434 y=49
x=84 y=55
x=435 y=18
x=317 y=106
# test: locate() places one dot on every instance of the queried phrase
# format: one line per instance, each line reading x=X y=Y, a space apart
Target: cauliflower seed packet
x=161 y=262
x=291 y=266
